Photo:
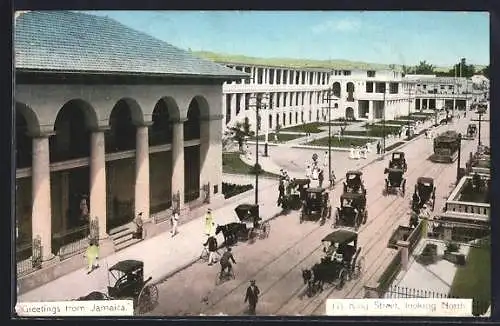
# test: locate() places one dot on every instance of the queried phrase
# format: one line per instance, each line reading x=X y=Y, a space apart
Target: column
x=224 y=111
x=403 y=246
x=233 y=107
x=178 y=160
x=41 y=214
x=370 y=111
x=289 y=77
x=98 y=180
x=282 y=76
x=253 y=76
x=275 y=76
x=267 y=76
x=142 y=172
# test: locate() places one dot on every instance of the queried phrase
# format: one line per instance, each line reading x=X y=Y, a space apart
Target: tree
x=239 y=132
x=424 y=68
x=408 y=70
x=485 y=71
x=466 y=70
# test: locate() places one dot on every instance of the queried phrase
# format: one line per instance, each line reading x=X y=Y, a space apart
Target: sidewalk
x=162 y=255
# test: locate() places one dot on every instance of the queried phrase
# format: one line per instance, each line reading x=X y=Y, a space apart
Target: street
x=276 y=263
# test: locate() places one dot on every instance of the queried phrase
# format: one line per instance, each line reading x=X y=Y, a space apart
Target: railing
x=390 y=272
x=479 y=307
x=33 y=263
x=415 y=237
x=71 y=242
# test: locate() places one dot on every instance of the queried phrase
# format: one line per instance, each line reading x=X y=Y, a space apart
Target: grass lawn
x=232 y=163
x=281 y=137
x=344 y=142
x=474 y=279
x=312 y=127
x=372 y=131
x=396 y=122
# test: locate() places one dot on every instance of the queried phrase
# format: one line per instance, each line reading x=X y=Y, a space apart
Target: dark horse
x=315 y=278
x=94 y=296
x=230 y=232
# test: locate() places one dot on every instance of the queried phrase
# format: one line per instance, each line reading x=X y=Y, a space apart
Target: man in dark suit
x=252 y=297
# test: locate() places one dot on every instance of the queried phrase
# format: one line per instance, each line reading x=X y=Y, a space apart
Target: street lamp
x=266 y=145
x=330 y=96
x=459 y=174
x=258 y=101
x=408 y=85
x=383 y=121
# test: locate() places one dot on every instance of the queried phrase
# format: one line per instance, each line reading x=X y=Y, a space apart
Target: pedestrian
x=209 y=221
x=320 y=178
x=400 y=132
x=308 y=172
x=138 y=226
x=332 y=178
x=325 y=161
x=212 y=248
x=281 y=191
x=378 y=147
x=252 y=297
x=92 y=255
x=175 y=222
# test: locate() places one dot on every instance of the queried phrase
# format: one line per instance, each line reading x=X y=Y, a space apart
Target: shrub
x=452 y=247
x=230 y=189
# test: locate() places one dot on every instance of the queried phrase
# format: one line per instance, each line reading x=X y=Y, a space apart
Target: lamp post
x=435 y=102
x=258 y=102
x=459 y=155
x=330 y=96
x=266 y=145
x=409 y=107
x=383 y=120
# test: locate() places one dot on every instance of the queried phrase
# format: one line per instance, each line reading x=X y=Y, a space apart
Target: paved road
x=276 y=262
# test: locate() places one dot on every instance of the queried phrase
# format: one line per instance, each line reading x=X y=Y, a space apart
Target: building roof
x=74 y=42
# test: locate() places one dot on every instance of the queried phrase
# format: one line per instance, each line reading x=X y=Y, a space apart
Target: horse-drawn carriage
x=354 y=182
x=352 y=211
x=341 y=263
x=295 y=193
x=129 y=284
x=398 y=161
x=425 y=193
x=395 y=182
x=316 y=205
x=471 y=131
x=249 y=225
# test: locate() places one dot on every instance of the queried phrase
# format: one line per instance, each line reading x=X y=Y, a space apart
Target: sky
x=397 y=37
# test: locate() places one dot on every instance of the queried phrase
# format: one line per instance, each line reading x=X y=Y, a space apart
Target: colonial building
x=110 y=122
x=301 y=95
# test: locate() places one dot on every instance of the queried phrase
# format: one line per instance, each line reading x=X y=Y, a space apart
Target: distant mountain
x=303 y=63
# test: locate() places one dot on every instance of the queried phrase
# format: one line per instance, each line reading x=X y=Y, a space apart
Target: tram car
x=446 y=147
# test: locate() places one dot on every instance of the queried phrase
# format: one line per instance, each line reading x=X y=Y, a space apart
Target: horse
x=315 y=278
x=230 y=232
x=92 y=296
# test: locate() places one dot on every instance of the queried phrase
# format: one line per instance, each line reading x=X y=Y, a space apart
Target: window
x=347 y=72
x=369 y=87
x=370 y=73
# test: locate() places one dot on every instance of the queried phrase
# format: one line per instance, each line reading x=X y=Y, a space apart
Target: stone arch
x=123 y=120
x=350 y=87
x=203 y=106
x=192 y=124
x=27 y=124
x=73 y=124
x=165 y=112
x=336 y=89
x=349 y=113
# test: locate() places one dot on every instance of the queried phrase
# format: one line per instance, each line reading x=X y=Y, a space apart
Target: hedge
x=230 y=189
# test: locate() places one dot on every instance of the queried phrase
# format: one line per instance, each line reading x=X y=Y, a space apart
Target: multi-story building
x=298 y=96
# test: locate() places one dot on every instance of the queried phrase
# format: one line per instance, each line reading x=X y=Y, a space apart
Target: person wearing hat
x=175 y=222
x=426 y=217
x=138 y=226
x=92 y=255
x=252 y=297
x=209 y=222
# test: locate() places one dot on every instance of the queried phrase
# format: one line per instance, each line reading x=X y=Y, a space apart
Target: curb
x=195 y=260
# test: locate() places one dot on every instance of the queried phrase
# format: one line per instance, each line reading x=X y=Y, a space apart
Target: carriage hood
x=243 y=210
x=127 y=266
x=341 y=237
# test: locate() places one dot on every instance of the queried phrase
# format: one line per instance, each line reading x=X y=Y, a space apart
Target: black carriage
x=295 y=193
x=252 y=224
x=352 y=211
x=354 y=183
x=398 y=161
x=471 y=131
x=342 y=262
x=395 y=182
x=316 y=205
x=129 y=283
x=425 y=193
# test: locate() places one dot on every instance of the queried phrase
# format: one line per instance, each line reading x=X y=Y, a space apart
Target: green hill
x=302 y=63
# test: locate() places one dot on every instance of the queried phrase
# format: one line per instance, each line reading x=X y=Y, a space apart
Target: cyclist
x=225 y=261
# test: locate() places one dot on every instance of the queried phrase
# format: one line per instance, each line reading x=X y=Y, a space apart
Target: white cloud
x=341 y=25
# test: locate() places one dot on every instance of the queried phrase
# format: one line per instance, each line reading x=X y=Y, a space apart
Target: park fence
x=479 y=307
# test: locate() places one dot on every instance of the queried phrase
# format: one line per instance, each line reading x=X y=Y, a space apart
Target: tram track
x=374 y=218
x=276 y=277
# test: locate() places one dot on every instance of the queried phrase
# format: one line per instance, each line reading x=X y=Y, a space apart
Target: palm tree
x=239 y=133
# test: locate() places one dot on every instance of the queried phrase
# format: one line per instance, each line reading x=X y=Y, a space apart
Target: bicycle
x=205 y=254
x=224 y=276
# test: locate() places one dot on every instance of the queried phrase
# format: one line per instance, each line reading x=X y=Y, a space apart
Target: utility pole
x=383 y=120
x=330 y=96
x=459 y=155
x=258 y=102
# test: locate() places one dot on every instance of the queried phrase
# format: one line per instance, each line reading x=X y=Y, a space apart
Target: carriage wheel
x=342 y=279
x=148 y=298
x=359 y=268
x=266 y=229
